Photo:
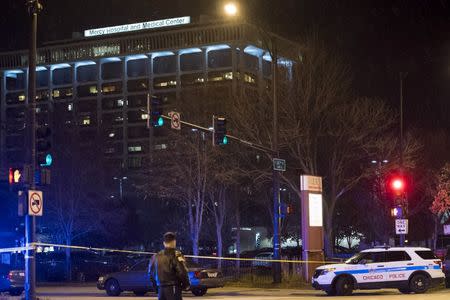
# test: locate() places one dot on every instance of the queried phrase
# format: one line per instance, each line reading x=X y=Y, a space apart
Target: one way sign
x=401 y=226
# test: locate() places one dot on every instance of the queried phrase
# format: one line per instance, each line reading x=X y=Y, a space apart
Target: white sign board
x=137 y=26
x=311 y=183
x=401 y=226
x=175 y=120
x=447 y=229
x=35 y=203
x=315 y=210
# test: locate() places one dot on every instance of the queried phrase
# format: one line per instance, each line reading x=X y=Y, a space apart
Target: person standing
x=168 y=270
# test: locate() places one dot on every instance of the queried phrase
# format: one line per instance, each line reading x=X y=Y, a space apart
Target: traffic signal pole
x=276 y=174
x=34 y=8
x=404 y=200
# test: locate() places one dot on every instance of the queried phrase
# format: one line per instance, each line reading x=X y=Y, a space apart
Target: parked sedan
x=137 y=280
x=11 y=281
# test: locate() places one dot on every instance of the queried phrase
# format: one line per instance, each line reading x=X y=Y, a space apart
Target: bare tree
x=324 y=128
x=78 y=205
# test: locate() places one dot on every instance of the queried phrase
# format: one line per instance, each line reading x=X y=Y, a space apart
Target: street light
x=121 y=179
x=231 y=9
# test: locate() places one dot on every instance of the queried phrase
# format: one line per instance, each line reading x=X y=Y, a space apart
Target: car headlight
x=327 y=270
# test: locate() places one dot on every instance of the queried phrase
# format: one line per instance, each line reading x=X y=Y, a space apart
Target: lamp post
x=121 y=179
x=231 y=10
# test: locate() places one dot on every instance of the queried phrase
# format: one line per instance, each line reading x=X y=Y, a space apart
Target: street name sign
x=279 y=164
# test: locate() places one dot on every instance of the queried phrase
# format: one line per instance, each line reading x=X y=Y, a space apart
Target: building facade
x=99 y=86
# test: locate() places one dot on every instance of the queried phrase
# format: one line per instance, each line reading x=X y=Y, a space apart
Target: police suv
x=408 y=269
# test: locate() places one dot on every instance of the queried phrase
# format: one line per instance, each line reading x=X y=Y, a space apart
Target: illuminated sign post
x=137 y=26
x=312 y=222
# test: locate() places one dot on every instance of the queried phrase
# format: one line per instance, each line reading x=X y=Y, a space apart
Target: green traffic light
x=160 y=121
x=49 y=159
x=225 y=140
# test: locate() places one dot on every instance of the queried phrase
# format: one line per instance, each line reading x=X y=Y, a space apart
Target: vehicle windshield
x=355 y=258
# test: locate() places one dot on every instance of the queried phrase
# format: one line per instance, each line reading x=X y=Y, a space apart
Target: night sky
x=378 y=38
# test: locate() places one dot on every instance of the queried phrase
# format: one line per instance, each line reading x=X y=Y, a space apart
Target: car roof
x=396 y=249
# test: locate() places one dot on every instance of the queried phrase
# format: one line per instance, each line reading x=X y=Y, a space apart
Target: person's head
x=170 y=240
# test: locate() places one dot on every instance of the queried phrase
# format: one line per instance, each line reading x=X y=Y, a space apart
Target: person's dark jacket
x=168 y=268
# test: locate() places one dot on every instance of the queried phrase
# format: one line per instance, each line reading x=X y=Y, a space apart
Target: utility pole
x=34 y=7
x=276 y=174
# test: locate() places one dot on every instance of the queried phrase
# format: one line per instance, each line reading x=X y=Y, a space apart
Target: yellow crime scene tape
x=35 y=245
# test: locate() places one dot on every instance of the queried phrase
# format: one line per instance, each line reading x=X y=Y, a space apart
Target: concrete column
x=125 y=112
x=3 y=166
x=178 y=76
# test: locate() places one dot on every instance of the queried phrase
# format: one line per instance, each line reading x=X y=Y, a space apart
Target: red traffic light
x=397 y=185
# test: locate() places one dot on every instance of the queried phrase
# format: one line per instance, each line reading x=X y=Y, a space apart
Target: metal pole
x=30 y=221
x=276 y=175
x=403 y=200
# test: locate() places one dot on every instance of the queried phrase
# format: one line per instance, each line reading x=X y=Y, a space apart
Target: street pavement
x=85 y=293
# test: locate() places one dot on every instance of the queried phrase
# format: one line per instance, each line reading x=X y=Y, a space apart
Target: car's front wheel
x=419 y=283
x=344 y=286
x=199 y=291
x=112 y=287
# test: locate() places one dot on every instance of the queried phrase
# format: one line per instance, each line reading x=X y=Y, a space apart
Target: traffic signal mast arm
x=249 y=144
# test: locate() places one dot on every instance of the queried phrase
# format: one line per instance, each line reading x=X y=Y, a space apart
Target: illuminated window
x=120 y=102
x=144 y=116
x=249 y=78
x=161 y=147
x=55 y=93
x=166 y=83
x=109 y=89
x=217 y=78
x=135 y=149
x=228 y=75
x=111 y=134
x=21 y=97
x=86 y=120
x=70 y=107
x=93 y=89
x=112 y=88
x=118 y=119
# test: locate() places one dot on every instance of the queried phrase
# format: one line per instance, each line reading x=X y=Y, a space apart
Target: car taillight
x=197 y=274
x=441 y=265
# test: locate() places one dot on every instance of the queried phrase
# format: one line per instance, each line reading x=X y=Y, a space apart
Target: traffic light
x=156 y=108
x=43 y=139
x=219 y=131
x=397 y=185
x=397 y=212
x=15 y=176
x=290 y=209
